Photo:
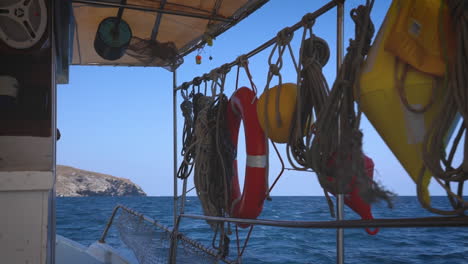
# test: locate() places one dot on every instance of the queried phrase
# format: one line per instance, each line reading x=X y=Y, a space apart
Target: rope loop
x=185 y=86
x=360 y=16
x=197 y=81
x=206 y=77
x=224 y=69
x=184 y=90
x=309 y=61
x=308 y=20
x=274 y=69
x=242 y=61
x=284 y=37
x=213 y=75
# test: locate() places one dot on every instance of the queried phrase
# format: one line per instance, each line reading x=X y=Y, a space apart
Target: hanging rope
x=283 y=40
x=188 y=154
x=311 y=95
x=435 y=157
x=338 y=139
x=214 y=155
x=243 y=62
x=400 y=85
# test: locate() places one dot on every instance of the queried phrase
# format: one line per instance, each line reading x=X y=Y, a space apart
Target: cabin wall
x=27 y=152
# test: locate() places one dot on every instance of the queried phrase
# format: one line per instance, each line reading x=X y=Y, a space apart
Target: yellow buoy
x=388 y=108
x=279 y=126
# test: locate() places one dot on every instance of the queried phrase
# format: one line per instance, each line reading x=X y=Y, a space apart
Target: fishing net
x=155 y=53
x=151 y=241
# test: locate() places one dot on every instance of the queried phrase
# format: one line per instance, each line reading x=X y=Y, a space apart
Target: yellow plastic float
x=402 y=33
x=278 y=131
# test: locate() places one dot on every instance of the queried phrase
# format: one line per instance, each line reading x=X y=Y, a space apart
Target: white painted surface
x=70 y=252
x=106 y=254
x=26 y=153
x=26 y=180
x=23 y=226
x=415 y=125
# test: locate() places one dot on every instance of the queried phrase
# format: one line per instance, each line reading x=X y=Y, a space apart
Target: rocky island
x=75 y=183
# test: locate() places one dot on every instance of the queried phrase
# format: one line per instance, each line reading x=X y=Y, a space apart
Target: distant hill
x=75 y=183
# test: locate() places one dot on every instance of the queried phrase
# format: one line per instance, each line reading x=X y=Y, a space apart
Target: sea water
x=83 y=220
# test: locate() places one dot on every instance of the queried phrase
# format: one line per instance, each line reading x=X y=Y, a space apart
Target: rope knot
x=197 y=81
x=205 y=77
x=274 y=69
x=308 y=20
x=224 y=69
x=183 y=90
x=214 y=74
x=317 y=49
x=185 y=86
x=360 y=16
x=186 y=107
x=284 y=37
x=242 y=61
x=310 y=61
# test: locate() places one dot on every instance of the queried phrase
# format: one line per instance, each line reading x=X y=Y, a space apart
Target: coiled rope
x=455 y=102
x=311 y=95
x=188 y=154
x=338 y=136
x=214 y=155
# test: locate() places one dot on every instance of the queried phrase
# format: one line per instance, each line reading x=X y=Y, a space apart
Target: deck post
x=174 y=139
x=340 y=196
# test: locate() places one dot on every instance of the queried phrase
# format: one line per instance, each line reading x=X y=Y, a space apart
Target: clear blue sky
x=118 y=120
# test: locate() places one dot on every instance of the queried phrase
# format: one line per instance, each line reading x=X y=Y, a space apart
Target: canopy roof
x=186 y=23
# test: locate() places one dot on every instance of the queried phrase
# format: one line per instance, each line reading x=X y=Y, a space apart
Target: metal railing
x=308 y=17
x=458 y=221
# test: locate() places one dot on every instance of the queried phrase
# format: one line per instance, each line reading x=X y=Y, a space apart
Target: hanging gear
x=337 y=127
x=440 y=163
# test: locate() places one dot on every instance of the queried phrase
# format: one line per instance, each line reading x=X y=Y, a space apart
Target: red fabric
x=354 y=201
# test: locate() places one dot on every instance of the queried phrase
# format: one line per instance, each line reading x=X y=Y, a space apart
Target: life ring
x=249 y=203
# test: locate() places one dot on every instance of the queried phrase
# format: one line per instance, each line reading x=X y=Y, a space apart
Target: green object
x=112 y=38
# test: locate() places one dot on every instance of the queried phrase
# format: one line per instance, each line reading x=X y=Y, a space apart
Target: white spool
x=22 y=22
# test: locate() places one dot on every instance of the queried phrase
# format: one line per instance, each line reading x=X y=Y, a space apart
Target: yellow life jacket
x=421 y=35
x=402 y=129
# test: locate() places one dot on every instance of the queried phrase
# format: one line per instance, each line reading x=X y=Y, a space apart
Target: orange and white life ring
x=249 y=204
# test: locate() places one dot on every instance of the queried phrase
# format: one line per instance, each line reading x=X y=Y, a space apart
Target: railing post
x=109 y=223
x=339 y=196
x=172 y=258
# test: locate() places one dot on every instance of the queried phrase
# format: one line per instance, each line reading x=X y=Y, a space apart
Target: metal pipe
x=173 y=249
x=453 y=221
x=340 y=231
x=339 y=197
x=339 y=35
x=272 y=41
x=184 y=196
x=155 y=10
x=174 y=139
x=108 y=225
x=157 y=23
